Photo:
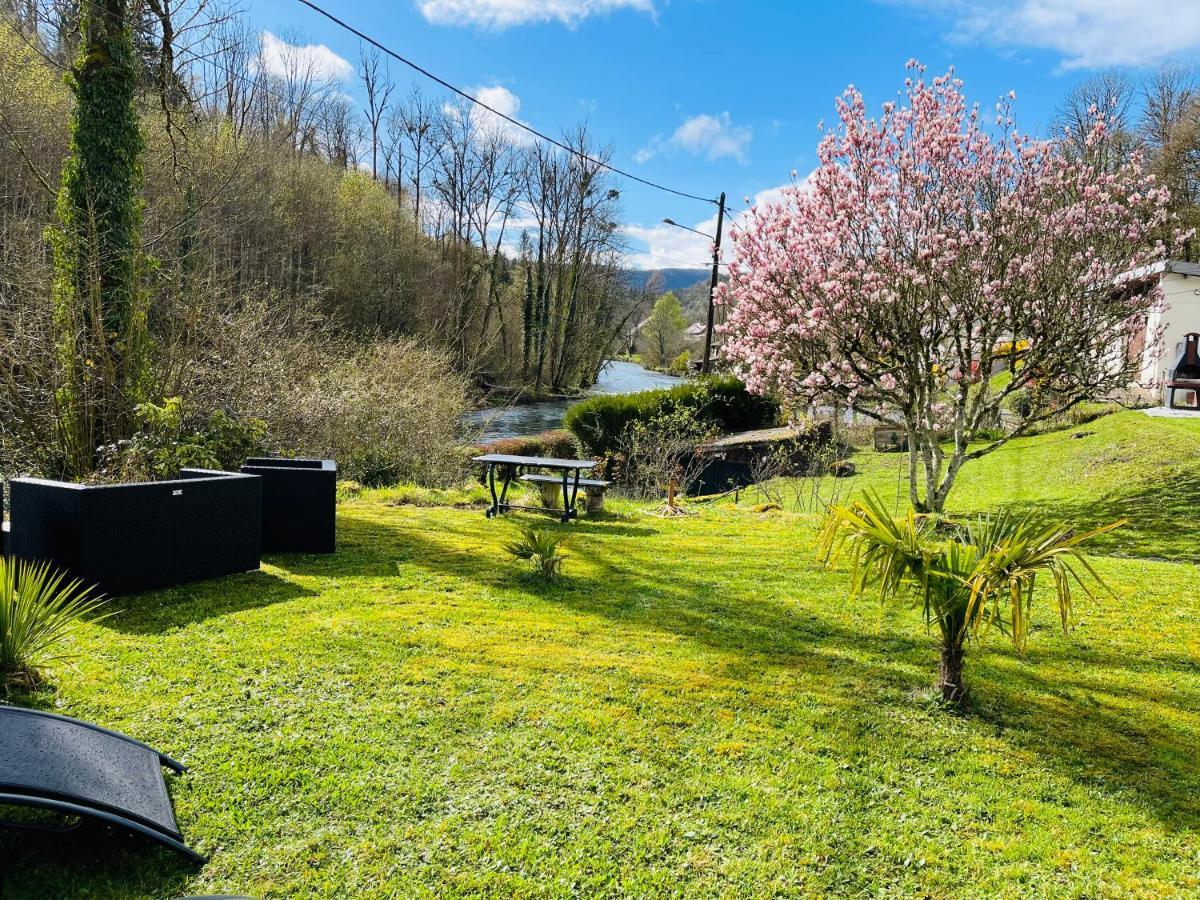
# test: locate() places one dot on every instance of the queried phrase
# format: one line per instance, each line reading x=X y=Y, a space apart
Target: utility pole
x=706 y=365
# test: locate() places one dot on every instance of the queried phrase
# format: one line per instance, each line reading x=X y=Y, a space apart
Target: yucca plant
x=966 y=577
x=38 y=607
x=543 y=547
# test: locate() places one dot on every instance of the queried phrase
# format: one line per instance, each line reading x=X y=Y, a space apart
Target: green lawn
x=696 y=710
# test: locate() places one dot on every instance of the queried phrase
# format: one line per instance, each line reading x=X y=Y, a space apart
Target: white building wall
x=1181 y=294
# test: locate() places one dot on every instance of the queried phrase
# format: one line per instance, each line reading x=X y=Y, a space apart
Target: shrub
x=557 y=443
x=38 y=607
x=680 y=364
x=388 y=412
x=1021 y=402
x=660 y=449
x=542 y=547
x=169 y=439
x=601 y=423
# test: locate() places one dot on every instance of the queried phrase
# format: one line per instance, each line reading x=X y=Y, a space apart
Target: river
x=617 y=377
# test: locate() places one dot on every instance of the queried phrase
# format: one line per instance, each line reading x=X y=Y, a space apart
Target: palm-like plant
x=966 y=577
x=38 y=607
x=543 y=547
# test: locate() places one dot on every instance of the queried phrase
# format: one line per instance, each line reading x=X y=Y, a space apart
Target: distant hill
x=666 y=279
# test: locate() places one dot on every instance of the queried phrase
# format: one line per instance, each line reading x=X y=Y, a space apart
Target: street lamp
x=685 y=228
x=705 y=365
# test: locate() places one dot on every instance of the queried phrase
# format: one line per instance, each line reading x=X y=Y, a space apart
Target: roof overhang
x=1163 y=267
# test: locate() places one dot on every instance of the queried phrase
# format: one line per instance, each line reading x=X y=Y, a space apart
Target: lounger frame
x=17 y=792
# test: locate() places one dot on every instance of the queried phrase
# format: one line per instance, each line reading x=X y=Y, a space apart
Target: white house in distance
x=1180 y=316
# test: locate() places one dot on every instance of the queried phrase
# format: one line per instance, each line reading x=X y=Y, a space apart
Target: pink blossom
x=921 y=242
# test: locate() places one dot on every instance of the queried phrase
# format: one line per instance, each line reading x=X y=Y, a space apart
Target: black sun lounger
x=63 y=765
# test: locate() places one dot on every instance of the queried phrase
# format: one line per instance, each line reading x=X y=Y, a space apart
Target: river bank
x=515 y=419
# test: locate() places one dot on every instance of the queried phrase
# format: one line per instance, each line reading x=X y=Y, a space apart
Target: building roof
x=759 y=436
x=1164 y=267
x=697 y=328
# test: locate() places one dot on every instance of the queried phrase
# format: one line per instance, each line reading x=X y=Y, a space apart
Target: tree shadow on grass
x=1163 y=518
x=373 y=548
x=157 y=612
x=1141 y=754
x=1130 y=750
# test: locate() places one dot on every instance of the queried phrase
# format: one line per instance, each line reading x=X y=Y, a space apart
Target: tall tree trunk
x=100 y=316
x=527 y=322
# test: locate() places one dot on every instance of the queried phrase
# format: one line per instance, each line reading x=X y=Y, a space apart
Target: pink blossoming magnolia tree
x=924 y=251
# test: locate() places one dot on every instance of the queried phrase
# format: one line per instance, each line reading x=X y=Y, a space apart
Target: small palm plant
x=38 y=607
x=966 y=577
x=543 y=547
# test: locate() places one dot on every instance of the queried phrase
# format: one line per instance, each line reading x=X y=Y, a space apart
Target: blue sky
x=712 y=95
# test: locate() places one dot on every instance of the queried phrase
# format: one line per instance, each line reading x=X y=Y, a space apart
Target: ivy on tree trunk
x=99 y=307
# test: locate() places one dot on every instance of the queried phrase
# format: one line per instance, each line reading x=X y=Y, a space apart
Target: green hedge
x=600 y=422
x=555 y=443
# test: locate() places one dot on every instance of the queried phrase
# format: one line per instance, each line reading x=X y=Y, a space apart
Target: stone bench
x=551 y=488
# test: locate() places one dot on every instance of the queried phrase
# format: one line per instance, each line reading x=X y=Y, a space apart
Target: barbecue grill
x=1183 y=390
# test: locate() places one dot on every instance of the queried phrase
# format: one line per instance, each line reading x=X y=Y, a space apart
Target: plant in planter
x=967 y=577
x=169 y=439
x=542 y=547
x=38 y=608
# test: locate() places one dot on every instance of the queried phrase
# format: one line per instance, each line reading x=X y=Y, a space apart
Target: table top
x=545 y=462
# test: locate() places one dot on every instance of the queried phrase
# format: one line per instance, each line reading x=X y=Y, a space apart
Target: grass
x=1125 y=465
x=696 y=710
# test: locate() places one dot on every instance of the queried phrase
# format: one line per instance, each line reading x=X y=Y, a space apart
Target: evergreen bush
x=600 y=423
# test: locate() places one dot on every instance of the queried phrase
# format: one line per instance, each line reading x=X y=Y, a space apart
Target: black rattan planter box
x=299 y=504
x=126 y=538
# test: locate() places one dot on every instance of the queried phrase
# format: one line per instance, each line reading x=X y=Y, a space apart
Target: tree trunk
x=99 y=314
x=950 y=678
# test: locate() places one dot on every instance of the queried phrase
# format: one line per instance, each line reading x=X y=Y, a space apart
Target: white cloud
x=668 y=247
x=1088 y=33
x=713 y=137
x=504 y=101
x=282 y=60
x=500 y=14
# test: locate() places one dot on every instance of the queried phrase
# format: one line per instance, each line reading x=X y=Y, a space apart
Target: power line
x=677 y=263
x=261 y=85
x=510 y=119
x=707 y=266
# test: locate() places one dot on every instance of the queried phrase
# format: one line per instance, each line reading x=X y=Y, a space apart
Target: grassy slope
x=696 y=711
x=1126 y=465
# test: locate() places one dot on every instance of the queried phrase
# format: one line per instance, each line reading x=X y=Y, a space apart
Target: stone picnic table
x=510 y=465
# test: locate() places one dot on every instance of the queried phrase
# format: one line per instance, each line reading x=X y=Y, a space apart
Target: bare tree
x=1111 y=93
x=338 y=132
x=379 y=91
x=417 y=118
x=1167 y=97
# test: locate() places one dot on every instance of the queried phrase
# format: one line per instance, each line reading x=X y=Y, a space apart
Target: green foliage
x=38 y=608
x=662 y=333
x=601 y=423
x=556 y=443
x=681 y=364
x=100 y=312
x=1021 y=403
x=543 y=547
x=167 y=440
x=965 y=577
x=656 y=450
